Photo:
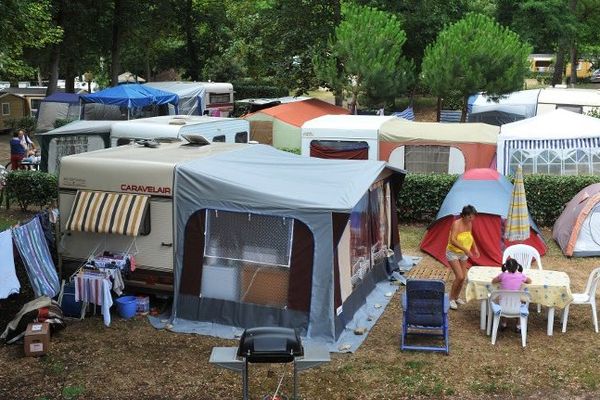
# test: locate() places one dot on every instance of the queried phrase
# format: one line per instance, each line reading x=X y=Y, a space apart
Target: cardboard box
x=265 y=285
x=37 y=339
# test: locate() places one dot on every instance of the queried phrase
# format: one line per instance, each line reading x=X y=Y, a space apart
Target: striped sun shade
x=105 y=212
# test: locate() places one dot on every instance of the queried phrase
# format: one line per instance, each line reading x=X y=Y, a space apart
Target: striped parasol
x=517 y=221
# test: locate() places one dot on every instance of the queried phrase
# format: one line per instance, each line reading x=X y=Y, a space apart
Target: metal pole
x=295 y=381
x=245 y=380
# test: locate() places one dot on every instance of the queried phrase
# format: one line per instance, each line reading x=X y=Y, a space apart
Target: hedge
x=422 y=195
x=32 y=188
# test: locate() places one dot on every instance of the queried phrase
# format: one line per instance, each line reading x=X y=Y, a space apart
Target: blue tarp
x=131 y=96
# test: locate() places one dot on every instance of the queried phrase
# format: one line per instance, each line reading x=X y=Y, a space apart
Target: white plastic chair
x=509 y=304
x=587 y=297
x=525 y=255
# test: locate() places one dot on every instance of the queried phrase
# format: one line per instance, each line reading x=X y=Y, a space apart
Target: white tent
x=558 y=143
x=191 y=96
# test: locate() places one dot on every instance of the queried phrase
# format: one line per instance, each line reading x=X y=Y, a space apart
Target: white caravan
x=580 y=101
x=214 y=129
x=106 y=179
x=340 y=130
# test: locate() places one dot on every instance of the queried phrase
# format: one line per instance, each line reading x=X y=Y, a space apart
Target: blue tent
x=59 y=97
x=131 y=96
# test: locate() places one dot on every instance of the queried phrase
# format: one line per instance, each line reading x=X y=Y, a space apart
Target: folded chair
x=509 y=304
x=587 y=297
x=425 y=314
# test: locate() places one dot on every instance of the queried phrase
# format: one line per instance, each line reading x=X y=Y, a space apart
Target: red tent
x=489 y=192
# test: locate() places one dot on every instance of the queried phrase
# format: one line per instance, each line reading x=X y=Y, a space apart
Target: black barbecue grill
x=269 y=345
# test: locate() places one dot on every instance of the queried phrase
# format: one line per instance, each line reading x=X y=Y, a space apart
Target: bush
x=291 y=150
x=32 y=188
x=422 y=195
x=25 y=123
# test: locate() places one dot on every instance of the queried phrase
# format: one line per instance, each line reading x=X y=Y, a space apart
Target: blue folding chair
x=425 y=307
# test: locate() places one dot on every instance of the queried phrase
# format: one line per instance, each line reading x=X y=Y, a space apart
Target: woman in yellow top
x=461 y=246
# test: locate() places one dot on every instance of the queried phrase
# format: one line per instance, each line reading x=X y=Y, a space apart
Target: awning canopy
x=107 y=212
x=131 y=95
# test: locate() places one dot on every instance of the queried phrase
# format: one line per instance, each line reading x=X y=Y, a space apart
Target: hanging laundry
x=9 y=283
x=32 y=247
x=94 y=288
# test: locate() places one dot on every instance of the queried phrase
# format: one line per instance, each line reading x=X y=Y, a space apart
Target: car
x=595 y=78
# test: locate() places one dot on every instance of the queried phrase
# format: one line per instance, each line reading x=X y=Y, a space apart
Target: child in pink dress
x=511 y=278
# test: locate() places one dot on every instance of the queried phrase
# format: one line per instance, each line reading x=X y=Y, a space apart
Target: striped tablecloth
x=548 y=288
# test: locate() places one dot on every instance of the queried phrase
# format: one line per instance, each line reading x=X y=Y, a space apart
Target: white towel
x=9 y=283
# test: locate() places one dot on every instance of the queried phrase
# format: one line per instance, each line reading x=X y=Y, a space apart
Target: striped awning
x=105 y=212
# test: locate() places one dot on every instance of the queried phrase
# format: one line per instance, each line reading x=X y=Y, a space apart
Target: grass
x=130 y=356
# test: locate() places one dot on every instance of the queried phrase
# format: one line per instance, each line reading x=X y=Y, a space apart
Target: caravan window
x=427 y=159
x=219 y=139
x=219 y=98
x=241 y=137
x=570 y=107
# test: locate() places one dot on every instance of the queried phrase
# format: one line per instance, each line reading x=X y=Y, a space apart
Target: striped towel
x=9 y=284
x=450 y=115
x=35 y=254
x=406 y=114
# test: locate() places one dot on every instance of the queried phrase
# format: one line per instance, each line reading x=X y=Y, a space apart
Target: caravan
x=177 y=127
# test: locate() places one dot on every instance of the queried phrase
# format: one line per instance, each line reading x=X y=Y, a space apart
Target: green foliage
x=594 y=112
x=422 y=195
x=24 y=24
x=73 y=392
x=25 y=123
x=475 y=54
x=32 y=188
x=290 y=150
x=364 y=56
x=548 y=194
x=62 y=122
x=253 y=89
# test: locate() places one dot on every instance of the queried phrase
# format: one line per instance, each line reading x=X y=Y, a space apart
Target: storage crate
x=142 y=305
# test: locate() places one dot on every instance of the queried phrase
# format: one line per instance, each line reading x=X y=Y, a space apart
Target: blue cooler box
x=69 y=306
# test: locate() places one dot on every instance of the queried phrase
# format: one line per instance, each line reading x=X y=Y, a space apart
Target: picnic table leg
x=550 y=320
x=482 y=314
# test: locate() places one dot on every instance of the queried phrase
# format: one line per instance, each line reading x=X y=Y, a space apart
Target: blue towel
x=35 y=254
x=9 y=284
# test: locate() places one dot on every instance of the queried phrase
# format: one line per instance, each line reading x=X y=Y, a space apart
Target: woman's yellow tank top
x=465 y=239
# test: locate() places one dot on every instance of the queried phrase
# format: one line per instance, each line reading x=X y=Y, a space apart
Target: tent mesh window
x=249 y=255
x=427 y=159
x=595 y=162
x=64 y=146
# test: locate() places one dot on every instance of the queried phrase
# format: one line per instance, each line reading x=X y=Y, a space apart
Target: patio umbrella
x=517 y=220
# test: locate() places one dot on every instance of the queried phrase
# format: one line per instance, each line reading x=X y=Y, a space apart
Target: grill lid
x=270 y=345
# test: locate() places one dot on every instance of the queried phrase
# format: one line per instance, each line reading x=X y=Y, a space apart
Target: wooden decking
x=429 y=272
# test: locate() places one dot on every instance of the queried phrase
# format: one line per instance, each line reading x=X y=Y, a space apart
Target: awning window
x=105 y=212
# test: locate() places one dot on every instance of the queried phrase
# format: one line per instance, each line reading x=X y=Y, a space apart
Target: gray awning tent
x=257 y=197
x=191 y=96
x=510 y=108
x=73 y=138
x=57 y=106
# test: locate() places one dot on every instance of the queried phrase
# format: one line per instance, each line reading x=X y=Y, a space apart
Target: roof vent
x=177 y=121
x=196 y=140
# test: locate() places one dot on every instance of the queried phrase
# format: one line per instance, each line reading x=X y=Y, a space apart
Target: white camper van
x=218 y=98
x=214 y=129
x=329 y=133
x=133 y=188
x=580 y=101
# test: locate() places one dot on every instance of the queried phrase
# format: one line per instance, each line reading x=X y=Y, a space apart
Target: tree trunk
x=189 y=37
x=148 y=70
x=54 y=69
x=573 y=54
x=465 y=107
x=115 y=64
x=338 y=92
x=69 y=78
x=559 y=66
x=439 y=109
